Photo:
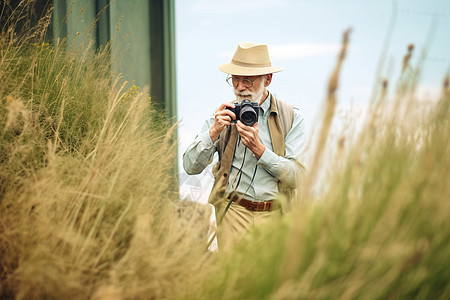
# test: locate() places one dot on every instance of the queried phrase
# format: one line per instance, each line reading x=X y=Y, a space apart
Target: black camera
x=247 y=112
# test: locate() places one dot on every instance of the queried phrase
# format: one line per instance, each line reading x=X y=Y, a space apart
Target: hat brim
x=247 y=71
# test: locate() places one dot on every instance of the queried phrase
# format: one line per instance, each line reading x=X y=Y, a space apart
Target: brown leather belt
x=253 y=205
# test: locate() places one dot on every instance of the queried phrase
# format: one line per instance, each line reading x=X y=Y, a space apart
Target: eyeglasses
x=234 y=81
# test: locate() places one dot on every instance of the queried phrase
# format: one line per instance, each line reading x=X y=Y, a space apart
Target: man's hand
x=250 y=138
x=222 y=119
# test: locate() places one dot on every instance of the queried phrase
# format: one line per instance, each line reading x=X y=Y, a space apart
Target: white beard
x=252 y=96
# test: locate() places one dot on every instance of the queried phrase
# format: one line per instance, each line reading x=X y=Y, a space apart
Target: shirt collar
x=265 y=106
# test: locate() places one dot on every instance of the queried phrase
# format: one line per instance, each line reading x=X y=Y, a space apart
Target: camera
x=247 y=112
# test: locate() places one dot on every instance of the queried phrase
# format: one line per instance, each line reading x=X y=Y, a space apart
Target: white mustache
x=243 y=94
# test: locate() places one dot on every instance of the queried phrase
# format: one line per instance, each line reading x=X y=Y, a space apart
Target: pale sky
x=304 y=37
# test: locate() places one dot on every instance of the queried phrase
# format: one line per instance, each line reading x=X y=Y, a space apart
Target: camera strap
x=253 y=177
x=234 y=192
x=240 y=169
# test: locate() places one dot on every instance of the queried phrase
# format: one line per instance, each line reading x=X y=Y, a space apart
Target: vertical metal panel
x=169 y=57
x=157 y=52
x=80 y=23
x=143 y=39
x=169 y=67
x=74 y=20
x=162 y=42
x=130 y=32
x=103 y=24
x=59 y=22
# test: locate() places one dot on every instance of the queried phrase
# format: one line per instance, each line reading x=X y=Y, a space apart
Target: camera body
x=247 y=112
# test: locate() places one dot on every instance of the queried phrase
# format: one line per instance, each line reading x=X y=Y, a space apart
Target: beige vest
x=280 y=122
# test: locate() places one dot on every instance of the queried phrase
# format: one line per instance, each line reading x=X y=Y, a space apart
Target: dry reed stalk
x=289 y=268
x=330 y=106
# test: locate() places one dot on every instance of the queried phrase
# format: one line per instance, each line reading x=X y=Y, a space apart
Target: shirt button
x=254 y=155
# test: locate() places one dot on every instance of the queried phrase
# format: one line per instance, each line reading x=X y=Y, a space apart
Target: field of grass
x=88 y=207
x=379 y=227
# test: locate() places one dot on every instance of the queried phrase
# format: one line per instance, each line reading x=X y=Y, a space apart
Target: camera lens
x=248 y=115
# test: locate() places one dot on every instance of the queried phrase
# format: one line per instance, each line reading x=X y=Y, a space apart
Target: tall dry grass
x=87 y=208
x=379 y=228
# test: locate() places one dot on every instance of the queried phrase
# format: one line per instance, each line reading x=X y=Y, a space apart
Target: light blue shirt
x=270 y=168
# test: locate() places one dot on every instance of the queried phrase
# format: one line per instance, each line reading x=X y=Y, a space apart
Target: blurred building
x=142 y=35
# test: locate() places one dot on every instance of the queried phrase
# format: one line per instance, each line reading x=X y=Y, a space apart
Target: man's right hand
x=222 y=119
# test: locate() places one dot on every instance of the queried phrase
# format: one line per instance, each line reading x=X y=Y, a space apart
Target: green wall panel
x=143 y=40
x=130 y=31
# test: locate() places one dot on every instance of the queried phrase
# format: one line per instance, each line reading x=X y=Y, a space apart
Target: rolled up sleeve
x=200 y=153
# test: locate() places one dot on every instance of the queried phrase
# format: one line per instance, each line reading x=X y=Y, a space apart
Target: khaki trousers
x=237 y=222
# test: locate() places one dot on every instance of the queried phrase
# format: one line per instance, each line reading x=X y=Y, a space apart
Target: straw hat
x=250 y=59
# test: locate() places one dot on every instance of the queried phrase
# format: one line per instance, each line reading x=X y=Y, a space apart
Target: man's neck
x=264 y=96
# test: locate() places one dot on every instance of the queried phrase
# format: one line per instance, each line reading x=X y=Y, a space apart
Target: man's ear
x=268 y=79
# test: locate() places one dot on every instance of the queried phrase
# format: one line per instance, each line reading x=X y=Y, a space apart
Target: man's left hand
x=250 y=138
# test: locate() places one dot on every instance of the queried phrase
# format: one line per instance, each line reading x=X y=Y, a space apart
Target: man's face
x=248 y=87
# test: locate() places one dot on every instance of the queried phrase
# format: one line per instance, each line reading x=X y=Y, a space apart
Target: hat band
x=242 y=64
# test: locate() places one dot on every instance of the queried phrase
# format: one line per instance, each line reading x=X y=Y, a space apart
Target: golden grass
x=87 y=204
x=88 y=208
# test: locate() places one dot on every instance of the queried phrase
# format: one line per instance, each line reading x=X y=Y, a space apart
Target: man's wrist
x=259 y=151
x=213 y=134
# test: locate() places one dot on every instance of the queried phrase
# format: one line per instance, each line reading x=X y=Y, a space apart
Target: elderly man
x=258 y=139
